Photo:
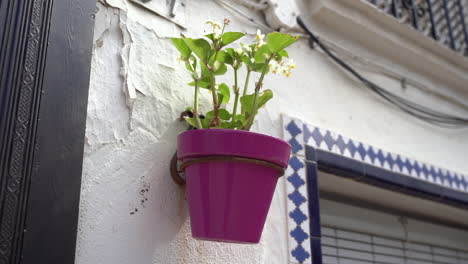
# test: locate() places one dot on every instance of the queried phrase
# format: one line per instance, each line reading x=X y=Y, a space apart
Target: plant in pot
x=231 y=173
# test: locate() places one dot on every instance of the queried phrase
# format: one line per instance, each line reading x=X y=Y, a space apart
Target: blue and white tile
x=298 y=212
x=293 y=134
x=439 y=178
x=464 y=183
x=388 y=159
x=335 y=148
x=327 y=140
x=409 y=167
x=459 y=182
x=341 y=144
x=417 y=170
x=413 y=173
x=361 y=151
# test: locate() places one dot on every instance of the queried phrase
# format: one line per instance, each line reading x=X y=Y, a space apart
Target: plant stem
x=246 y=85
x=215 y=121
x=236 y=99
x=195 y=106
x=255 y=102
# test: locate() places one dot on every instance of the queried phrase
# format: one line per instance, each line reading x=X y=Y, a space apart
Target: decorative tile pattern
x=298 y=213
x=293 y=134
x=330 y=141
x=356 y=157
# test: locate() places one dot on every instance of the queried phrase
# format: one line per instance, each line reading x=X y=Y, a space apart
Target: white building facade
x=367 y=183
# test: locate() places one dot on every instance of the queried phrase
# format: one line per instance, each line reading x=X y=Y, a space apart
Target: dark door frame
x=45 y=60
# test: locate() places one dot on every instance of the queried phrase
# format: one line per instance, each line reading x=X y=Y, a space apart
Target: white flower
x=282 y=67
x=274 y=66
x=245 y=48
x=291 y=64
x=239 y=51
x=259 y=38
x=214 y=25
x=259 y=35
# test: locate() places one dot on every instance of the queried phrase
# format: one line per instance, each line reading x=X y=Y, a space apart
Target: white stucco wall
x=132 y=212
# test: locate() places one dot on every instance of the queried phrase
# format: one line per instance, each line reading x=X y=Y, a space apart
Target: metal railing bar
x=395 y=8
x=462 y=19
x=449 y=26
x=443 y=20
x=431 y=18
x=414 y=14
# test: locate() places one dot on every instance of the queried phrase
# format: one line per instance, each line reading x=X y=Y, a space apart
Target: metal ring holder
x=178 y=168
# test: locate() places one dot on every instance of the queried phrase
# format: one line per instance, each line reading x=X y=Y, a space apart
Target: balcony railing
x=443 y=20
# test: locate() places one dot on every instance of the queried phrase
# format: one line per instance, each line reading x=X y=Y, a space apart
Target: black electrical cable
x=414 y=109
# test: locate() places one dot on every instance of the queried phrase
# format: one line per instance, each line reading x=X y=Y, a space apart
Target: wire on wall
x=416 y=110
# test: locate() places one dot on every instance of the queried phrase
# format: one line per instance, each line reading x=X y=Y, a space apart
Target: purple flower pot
x=231 y=177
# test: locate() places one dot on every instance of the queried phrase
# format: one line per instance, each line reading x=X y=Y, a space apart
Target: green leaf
x=231 y=125
x=209 y=115
x=262 y=52
x=247 y=101
x=283 y=53
x=277 y=41
x=246 y=59
x=220 y=57
x=231 y=52
x=220 y=98
x=241 y=118
x=191 y=121
x=239 y=121
x=188 y=66
x=230 y=37
x=206 y=121
x=204 y=82
x=223 y=93
x=180 y=45
x=257 y=67
x=194 y=64
x=227 y=125
x=220 y=68
x=210 y=36
x=200 y=47
x=204 y=70
x=224 y=56
x=228 y=58
x=223 y=114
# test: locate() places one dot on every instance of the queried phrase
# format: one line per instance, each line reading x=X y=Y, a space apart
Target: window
x=344 y=246
x=352 y=234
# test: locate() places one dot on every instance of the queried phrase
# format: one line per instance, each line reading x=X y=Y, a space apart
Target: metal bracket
x=177 y=168
x=404 y=83
x=176 y=174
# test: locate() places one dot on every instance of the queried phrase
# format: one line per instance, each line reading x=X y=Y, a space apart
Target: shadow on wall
x=130 y=207
x=162 y=203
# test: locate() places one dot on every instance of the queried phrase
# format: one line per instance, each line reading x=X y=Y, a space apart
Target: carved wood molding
x=25 y=26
